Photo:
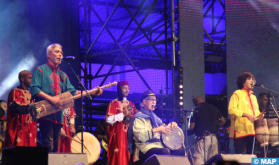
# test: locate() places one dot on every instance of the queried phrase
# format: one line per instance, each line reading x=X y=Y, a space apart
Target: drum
x=273 y=130
x=174 y=140
x=262 y=132
x=91 y=146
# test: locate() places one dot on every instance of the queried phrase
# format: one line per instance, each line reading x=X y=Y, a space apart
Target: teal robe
x=47 y=79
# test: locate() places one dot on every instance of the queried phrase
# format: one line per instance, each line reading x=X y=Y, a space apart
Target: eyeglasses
x=151 y=100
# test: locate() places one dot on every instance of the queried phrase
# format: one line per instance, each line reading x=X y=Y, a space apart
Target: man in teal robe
x=49 y=81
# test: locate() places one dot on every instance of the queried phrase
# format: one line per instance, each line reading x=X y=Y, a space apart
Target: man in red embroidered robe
x=118 y=116
x=21 y=129
x=67 y=130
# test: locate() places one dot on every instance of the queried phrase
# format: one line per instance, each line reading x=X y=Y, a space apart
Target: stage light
x=181 y=98
x=181 y=92
x=214 y=58
x=181 y=103
x=10 y=81
x=180 y=86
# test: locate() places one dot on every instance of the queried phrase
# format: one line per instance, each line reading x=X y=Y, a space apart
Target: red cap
x=121 y=83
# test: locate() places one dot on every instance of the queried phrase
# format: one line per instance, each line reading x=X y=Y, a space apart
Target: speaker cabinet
x=25 y=155
x=167 y=160
x=242 y=159
x=69 y=159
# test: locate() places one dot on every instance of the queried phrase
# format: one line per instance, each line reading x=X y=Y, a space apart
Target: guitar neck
x=92 y=91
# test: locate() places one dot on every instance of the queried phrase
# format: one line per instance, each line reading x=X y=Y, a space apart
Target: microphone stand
x=269 y=102
x=186 y=128
x=82 y=88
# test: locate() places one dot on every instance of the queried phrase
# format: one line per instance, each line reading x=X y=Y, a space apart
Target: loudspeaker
x=167 y=160
x=240 y=158
x=25 y=155
x=69 y=159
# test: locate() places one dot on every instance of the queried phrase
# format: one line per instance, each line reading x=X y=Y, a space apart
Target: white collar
x=124 y=98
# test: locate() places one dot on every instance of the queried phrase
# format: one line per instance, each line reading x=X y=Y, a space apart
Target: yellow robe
x=242 y=101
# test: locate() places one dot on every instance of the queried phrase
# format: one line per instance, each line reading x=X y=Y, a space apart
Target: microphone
x=68 y=58
x=258 y=85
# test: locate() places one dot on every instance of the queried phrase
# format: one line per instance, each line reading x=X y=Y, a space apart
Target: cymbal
x=2 y=112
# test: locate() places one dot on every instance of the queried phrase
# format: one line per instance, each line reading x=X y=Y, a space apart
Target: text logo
x=258 y=161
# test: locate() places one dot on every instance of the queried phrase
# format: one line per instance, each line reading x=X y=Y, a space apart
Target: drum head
x=91 y=147
x=174 y=140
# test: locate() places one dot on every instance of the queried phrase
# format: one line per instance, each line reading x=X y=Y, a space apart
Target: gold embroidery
x=116 y=150
x=18 y=140
x=28 y=119
x=26 y=96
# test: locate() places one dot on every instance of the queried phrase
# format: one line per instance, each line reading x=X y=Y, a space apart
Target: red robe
x=21 y=129
x=117 y=134
x=65 y=142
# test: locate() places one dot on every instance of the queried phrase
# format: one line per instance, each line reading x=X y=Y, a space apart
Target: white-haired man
x=48 y=81
x=145 y=129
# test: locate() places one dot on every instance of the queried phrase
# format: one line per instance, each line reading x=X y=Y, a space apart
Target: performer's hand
x=249 y=117
x=163 y=129
x=33 y=111
x=99 y=92
x=72 y=129
x=173 y=125
x=78 y=92
x=126 y=112
x=260 y=116
x=63 y=133
x=56 y=101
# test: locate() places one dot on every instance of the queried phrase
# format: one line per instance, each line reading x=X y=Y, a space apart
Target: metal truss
x=126 y=50
x=214 y=35
x=138 y=43
x=97 y=49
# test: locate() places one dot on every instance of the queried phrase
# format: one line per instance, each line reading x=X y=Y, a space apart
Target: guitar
x=44 y=107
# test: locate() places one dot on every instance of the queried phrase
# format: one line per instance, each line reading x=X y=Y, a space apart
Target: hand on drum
x=173 y=125
x=163 y=129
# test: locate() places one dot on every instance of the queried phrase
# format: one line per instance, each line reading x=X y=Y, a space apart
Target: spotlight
x=181 y=103
x=181 y=92
x=181 y=98
x=180 y=86
x=26 y=64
